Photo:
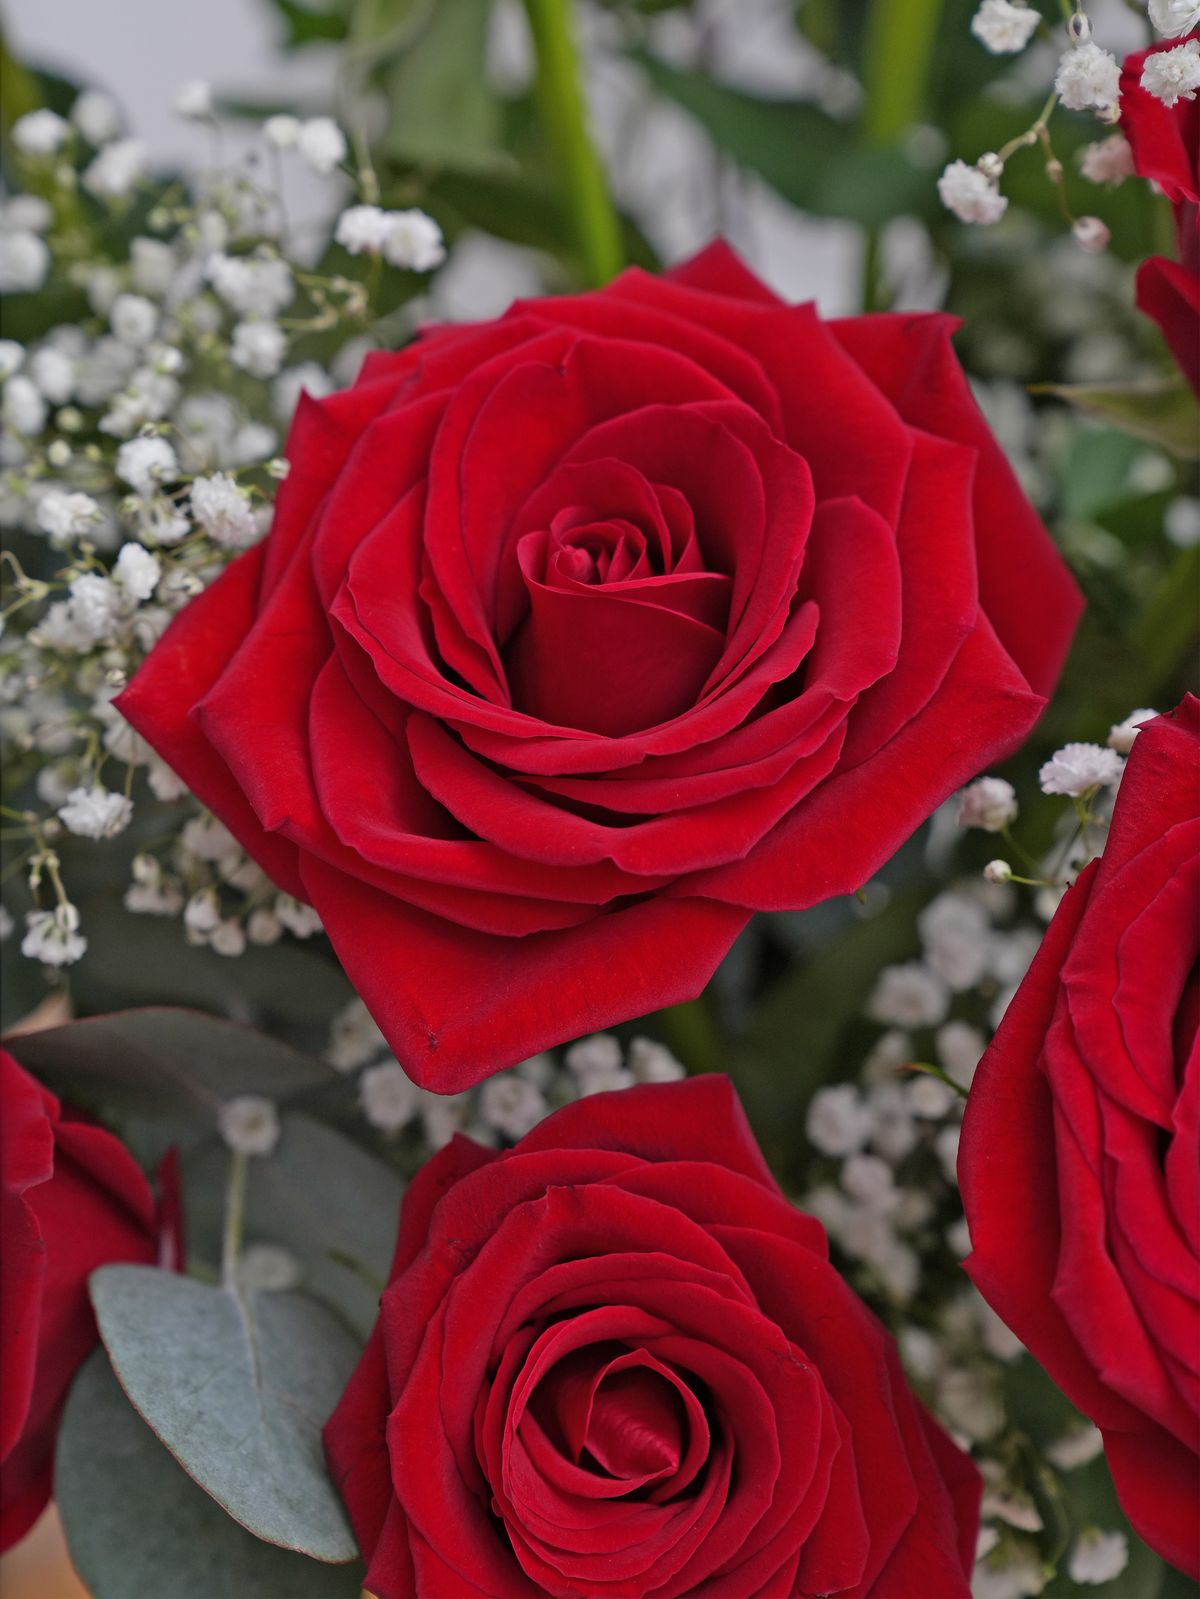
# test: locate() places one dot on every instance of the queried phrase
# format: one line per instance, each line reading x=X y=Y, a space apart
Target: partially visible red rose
x=615 y=1361
x=582 y=634
x=1078 y=1159
x=1166 y=147
x=72 y=1198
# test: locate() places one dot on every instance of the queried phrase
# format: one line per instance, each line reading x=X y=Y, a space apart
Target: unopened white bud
x=1079 y=29
x=193 y=100
x=229 y=938
x=249 y=1124
x=1091 y=234
x=998 y=872
x=990 y=165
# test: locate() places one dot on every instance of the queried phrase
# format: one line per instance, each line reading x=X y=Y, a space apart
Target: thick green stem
x=564 y=123
x=899 y=44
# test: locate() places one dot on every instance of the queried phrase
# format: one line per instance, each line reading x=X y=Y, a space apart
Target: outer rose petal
x=462 y=1004
x=1169 y=293
x=73 y=1199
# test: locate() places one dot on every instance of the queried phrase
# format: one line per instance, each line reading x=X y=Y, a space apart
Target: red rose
x=582 y=634
x=1078 y=1160
x=73 y=1199
x=1166 y=147
x=615 y=1362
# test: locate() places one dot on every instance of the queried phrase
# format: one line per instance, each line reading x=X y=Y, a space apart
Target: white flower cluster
x=405 y=238
x=142 y=446
x=1174 y=17
x=1173 y=75
x=1089 y=78
x=1004 y=28
x=505 y=1106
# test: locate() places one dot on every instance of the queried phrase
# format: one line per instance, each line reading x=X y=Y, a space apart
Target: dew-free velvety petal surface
x=615 y=1362
x=583 y=633
x=1078 y=1154
x=72 y=1199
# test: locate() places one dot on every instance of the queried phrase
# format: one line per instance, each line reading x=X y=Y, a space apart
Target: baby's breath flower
x=249 y=1124
x=413 y=240
x=1122 y=734
x=145 y=463
x=153 y=265
x=838 y=1123
x=1088 y=77
x=193 y=100
x=137 y=571
x=258 y=348
x=1098 y=1556
x=23 y=407
x=282 y=131
x=1173 y=75
x=300 y=920
x=1110 y=161
x=321 y=144
x=133 y=319
x=988 y=802
x=96 y=812
x=263 y=928
x=354 y=1038
x=223 y=510
x=1076 y=1448
x=971 y=195
x=40 y=132
x=1173 y=17
x=116 y=170
x=1003 y=28
x=11 y=356
x=252 y=285
x=66 y=516
x=511 y=1104
x=96 y=116
x=54 y=373
x=1091 y=234
x=24 y=262
x=47 y=939
x=229 y=938
x=388 y=1097
x=1076 y=769
x=909 y=996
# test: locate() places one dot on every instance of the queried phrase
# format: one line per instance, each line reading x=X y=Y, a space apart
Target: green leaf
x=306 y=26
x=442 y=113
x=238 y=1387
x=806 y=156
x=136 y=960
x=138 y=1527
x=178 y=1064
x=1168 y=626
x=1166 y=414
x=322 y=1197
x=791 y=1046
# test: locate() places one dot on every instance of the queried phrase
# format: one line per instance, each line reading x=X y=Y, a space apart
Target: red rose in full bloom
x=1166 y=147
x=582 y=634
x=615 y=1362
x=73 y=1199
x=1078 y=1160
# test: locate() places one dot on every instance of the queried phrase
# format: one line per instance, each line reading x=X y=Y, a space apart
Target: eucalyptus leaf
x=238 y=1387
x=176 y=1064
x=138 y=1527
x=320 y=1196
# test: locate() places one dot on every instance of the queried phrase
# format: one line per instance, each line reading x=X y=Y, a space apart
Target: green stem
x=235 y=1206
x=564 y=122
x=900 y=36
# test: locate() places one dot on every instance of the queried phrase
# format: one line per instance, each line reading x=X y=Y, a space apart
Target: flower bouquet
x=601 y=928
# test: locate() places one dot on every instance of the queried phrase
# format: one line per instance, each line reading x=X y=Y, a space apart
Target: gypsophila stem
x=235 y=1206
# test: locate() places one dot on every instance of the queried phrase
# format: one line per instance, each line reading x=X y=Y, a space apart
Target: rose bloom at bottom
x=615 y=1361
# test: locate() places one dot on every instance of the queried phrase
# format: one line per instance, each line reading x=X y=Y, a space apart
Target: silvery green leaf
x=238 y=1387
